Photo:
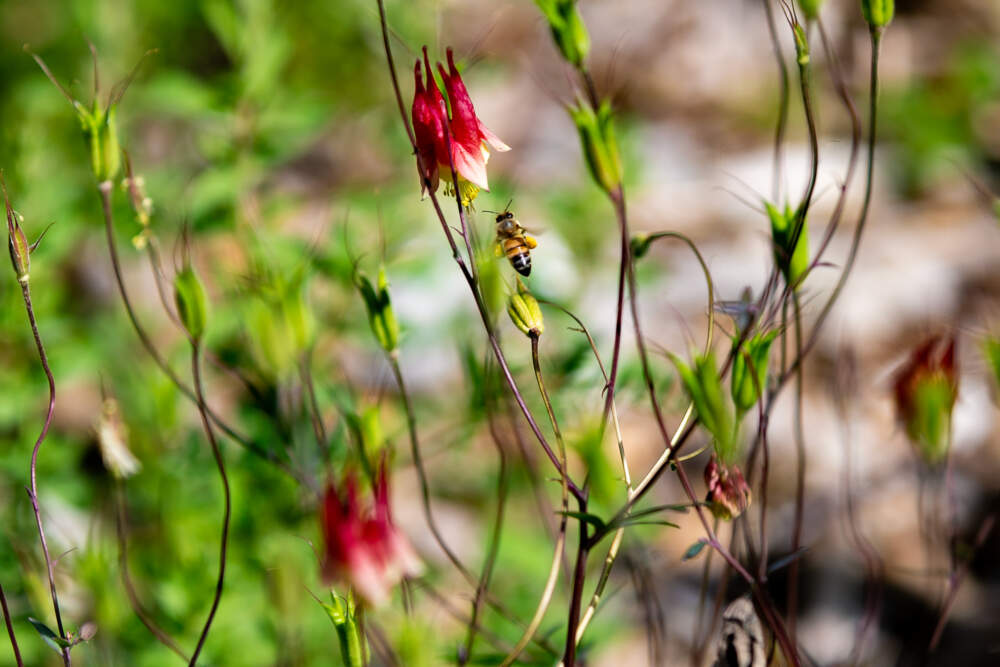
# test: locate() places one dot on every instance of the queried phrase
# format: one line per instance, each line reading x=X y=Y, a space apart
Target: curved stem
x=121 y=524
x=494 y=547
x=800 y=475
x=779 y=130
x=227 y=512
x=104 y=189
x=33 y=491
x=10 y=629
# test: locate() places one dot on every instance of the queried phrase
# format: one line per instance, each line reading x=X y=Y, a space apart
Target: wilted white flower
x=112 y=438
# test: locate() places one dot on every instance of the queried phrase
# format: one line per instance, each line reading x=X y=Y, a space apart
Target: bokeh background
x=269 y=131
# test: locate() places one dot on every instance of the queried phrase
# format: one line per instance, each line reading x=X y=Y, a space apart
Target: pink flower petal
x=492 y=139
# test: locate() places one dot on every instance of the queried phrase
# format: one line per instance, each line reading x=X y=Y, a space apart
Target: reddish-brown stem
x=10 y=629
x=33 y=491
x=227 y=500
x=955 y=582
x=130 y=592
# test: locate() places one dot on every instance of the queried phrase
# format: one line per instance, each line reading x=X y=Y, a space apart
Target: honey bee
x=513 y=242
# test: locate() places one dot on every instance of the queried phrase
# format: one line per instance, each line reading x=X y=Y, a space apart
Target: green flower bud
x=600 y=148
x=99 y=127
x=810 y=8
x=711 y=403
x=101 y=132
x=749 y=376
x=20 y=251
x=525 y=313
x=792 y=262
x=568 y=29
x=192 y=304
x=878 y=13
x=801 y=45
x=343 y=613
x=381 y=316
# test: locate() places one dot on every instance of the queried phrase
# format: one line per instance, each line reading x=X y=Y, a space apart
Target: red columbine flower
x=364 y=548
x=469 y=136
x=434 y=130
x=430 y=119
x=728 y=493
x=925 y=389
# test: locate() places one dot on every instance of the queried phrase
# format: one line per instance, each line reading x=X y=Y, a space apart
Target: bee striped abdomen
x=517 y=252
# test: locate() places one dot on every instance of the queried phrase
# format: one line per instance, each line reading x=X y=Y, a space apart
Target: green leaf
x=592 y=519
x=51 y=638
x=693 y=550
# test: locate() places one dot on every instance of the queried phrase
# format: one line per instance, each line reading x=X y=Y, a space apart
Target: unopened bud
x=801 y=45
x=192 y=304
x=600 y=148
x=792 y=262
x=749 y=377
x=525 y=313
x=101 y=133
x=715 y=412
x=381 y=316
x=878 y=13
x=20 y=251
x=810 y=8
x=568 y=29
x=925 y=389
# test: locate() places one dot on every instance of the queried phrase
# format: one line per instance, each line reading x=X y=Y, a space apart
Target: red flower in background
x=434 y=131
x=364 y=548
x=728 y=493
x=925 y=389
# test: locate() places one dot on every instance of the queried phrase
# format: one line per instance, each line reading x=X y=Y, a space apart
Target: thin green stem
x=227 y=511
x=783 y=101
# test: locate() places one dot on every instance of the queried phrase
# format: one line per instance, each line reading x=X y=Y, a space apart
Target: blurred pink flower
x=728 y=493
x=364 y=547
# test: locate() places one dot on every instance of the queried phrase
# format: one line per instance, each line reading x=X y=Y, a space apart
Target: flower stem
x=800 y=475
x=227 y=511
x=781 y=125
x=130 y=592
x=10 y=629
x=33 y=491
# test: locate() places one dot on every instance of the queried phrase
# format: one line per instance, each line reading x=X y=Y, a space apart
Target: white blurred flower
x=112 y=436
